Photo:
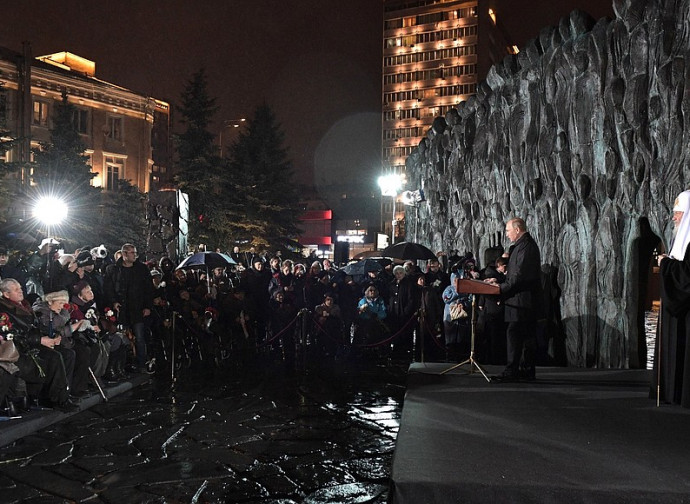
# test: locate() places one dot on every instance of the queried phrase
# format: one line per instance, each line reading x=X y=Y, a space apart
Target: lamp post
x=234 y=123
x=390 y=185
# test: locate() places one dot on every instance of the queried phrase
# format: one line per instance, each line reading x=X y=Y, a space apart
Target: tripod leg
x=455 y=366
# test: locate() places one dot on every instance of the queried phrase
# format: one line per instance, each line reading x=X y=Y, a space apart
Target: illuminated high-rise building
x=435 y=52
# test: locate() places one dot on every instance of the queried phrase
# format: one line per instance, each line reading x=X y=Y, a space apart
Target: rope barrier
x=281 y=332
x=320 y=328
x=433 y=337
x=391 y=338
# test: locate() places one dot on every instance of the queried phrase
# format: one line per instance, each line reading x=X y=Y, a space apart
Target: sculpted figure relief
x=583 y=134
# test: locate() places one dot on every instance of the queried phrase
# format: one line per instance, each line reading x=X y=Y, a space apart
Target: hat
x=45 y=241
x=80 y=286
x=682 y=202
x=256 y=259
x=84 y=259
x=155 y=272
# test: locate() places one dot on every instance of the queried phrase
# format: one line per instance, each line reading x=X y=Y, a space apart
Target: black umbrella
x=408 y=250
x=362 y=267
x=206 y=260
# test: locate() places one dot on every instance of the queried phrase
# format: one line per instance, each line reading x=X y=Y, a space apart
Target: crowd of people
x=72 y=321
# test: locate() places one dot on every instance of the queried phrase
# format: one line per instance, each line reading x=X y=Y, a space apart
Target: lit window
x=40 y=116
x=114 y=128
x=80 y=120
x=114 y=171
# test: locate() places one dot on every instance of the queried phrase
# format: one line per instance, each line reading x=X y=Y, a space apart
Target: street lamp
x=234 y=123
x=414 y=198
x=51 y=211
x=390 y=185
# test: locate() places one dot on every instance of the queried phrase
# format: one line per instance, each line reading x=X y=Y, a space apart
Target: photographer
x=42 y=266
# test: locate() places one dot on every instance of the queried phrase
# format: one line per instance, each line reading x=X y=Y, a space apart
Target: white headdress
x=682 y=238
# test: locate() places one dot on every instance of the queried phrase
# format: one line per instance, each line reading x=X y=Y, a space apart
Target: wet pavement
x=323 y=435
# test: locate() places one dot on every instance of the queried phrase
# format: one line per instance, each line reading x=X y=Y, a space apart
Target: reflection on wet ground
x=325 y=435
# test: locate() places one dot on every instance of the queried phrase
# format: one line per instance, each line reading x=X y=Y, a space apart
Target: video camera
x=99 y=252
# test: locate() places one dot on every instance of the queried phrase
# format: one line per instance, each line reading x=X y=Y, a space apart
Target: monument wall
x=583 y=134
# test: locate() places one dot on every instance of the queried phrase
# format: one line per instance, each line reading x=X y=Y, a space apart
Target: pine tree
x=62 y=170
x=61 y=165
x=7 y=142
x=122 y=218
x=199 y=167
x=262 y=202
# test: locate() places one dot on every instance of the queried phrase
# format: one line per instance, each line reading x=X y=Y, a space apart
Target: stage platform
x=571 y=436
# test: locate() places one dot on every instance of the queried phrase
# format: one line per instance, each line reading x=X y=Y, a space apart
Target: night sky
x=317 y=63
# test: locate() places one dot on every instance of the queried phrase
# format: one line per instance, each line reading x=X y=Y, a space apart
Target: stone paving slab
x=325 y=437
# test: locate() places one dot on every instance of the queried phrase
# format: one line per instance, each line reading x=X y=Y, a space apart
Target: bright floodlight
x=50 y=210
x=390 y=184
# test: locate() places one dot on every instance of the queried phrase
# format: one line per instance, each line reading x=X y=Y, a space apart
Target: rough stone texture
x=162 y=217
x=583 y=134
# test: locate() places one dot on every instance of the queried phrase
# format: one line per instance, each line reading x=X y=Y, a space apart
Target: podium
x=474 y=287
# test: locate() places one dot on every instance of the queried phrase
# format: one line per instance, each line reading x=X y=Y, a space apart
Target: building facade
x=126 y=134
x=435 y=52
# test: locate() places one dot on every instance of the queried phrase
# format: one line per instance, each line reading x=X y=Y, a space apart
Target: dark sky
x=317 y=63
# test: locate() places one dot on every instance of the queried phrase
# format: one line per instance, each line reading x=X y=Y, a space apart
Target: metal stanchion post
x=172 y=350
x=303 y=337
x=421 y=334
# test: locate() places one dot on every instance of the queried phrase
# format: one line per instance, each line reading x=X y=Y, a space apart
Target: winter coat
x=451 y=296
x=521 y=291
x=133 y=289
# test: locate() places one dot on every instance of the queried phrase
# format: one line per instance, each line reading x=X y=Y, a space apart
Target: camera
x=99 y=252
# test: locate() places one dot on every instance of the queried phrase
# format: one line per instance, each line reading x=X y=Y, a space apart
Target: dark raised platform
x=574 y=435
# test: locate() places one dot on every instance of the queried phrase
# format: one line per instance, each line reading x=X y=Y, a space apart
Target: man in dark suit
x=521 y=294
x=128 y=290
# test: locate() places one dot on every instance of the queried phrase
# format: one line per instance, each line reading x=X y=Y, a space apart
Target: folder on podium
x=469 y=286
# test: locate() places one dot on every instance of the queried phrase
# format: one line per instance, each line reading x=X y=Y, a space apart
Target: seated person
x=54 y=321
x=40 y=366
x=88 y=335
x=120 y=347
